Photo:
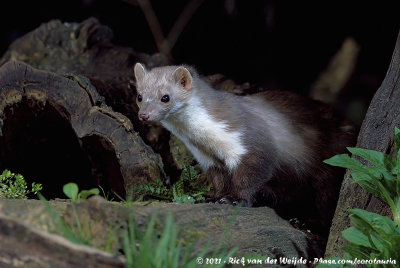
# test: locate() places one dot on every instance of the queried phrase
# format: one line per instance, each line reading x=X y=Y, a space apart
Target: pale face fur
x=153 y=85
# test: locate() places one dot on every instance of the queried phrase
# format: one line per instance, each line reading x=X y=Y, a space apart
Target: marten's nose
x=144 y=117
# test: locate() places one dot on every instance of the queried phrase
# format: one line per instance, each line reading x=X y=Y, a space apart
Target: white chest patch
x=197 y=125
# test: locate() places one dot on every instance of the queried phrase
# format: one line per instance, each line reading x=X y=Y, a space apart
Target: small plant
x=107 y=196
x=184 y=199
x=184 y=190
x=81 y=230
x=72 y=191
x=157 y=190
x=166 y=251
x=14 y=186
x=373 y=236
x=60 y=223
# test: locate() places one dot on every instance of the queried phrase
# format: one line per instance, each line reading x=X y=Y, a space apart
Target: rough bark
x=105 y=140
x=376 y=133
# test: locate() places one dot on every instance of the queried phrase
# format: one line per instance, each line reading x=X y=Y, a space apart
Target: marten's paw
x=223 y=200
x=227 y=199
x=296 y=223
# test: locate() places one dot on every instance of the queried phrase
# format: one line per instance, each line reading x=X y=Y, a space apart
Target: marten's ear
x=139 y=71
x=183 y=77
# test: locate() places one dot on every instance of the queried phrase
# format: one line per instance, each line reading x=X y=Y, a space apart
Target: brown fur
x=326 y=135
x=286 y=137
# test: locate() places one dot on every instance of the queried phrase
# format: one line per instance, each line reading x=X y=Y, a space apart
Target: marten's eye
x=165 y=98
x=139 y=98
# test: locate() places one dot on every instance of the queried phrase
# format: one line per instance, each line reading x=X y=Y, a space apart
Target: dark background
x=274 y=44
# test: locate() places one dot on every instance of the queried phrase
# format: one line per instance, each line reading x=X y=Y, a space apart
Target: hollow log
x=377 y=132
x=56 y=128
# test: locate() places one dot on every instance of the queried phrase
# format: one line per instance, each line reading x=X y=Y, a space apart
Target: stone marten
x=260 y=149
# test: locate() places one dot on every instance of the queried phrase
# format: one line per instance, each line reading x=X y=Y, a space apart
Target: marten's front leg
x=222 y=184
x=250 y=177
x=225 y=190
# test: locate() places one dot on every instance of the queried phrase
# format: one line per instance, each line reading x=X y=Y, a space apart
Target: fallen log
x=56 y=129
x=35 y=248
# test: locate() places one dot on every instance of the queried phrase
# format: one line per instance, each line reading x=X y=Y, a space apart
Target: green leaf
x=84 y=194
x=371 y=177
x=387 y=197
x=398 y=174
x=379 y=243
x=366 y=182
x=166 y=238
x=189 y=173
x=377 y=158
x=357 y=251
x=378 y=223
x=355 y=236
x=71 y=190
x=397 y=138
x=345 y=161
x=379 y=173
x=7 y=174
x=36 y=187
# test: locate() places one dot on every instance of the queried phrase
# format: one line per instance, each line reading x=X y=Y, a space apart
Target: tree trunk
x=377 y=132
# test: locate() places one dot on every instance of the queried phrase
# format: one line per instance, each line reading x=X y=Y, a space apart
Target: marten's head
x=162 y=91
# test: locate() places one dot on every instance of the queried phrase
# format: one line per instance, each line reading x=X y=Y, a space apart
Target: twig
x=165 y=45
x=182 y=21
x=338 y=72
x=155 y=27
